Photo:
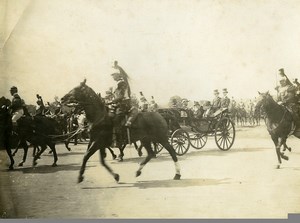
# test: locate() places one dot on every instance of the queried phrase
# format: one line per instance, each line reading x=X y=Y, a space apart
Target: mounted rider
x=122 y=95
x=287 y=95
x=144 y=103
x=17 y=106
x=40 y=109
x=153 y=105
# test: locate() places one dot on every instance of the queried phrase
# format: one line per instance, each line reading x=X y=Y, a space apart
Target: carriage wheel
x=180 y=142
x=157 y=148
x=224 y=134
x=198 y=140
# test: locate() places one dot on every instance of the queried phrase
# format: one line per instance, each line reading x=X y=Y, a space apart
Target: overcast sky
x=186 y=48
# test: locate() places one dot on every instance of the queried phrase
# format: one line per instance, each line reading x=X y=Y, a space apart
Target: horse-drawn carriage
x=191 y=131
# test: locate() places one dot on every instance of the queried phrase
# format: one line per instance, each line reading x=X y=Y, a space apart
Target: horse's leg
x=286 y=147
x=112 y=153
x=102 y=159
x=9 y=153
x=67 y=142
x=138 y=148
x=25 y=147
x=278 y=142
x=52 y=147
x=37 y=156
x=172 y=152
x=121 y=148
x=150 y=155
x=92 y=148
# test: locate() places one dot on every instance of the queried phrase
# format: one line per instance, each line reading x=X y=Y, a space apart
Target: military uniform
x=287 y=96
x=40 y=110
x=16 y=106
x=144 y=103
x=122 y=95
x=153 y=106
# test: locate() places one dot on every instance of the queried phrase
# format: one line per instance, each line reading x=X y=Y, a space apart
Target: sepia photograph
x=149 y=109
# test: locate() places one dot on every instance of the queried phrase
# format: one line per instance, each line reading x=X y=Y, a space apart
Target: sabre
x=128 y=132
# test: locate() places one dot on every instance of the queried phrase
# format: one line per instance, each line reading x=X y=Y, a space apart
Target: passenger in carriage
x=207 y=109
x=17 y=106
x=198 y=110
x=216 y=103
x=184 y=110
x=225 y=101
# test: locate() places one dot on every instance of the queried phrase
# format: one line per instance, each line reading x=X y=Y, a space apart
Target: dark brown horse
x=279 y=122
x=35 y=130
x=148 y=127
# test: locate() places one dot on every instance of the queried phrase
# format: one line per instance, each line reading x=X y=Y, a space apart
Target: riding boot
x=132 y=116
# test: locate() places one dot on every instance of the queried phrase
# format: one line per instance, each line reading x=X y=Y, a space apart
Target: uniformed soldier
x=297 y=85
x=153 y=106
x=40 y=109
x=122 y=95
x=17 y=105
x=216 y=103
x=287 y=95
x=225 y=101
x=144 y=103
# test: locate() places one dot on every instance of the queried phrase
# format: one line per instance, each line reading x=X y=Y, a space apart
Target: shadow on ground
x=165 y=184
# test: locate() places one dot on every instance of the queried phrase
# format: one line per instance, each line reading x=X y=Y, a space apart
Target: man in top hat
x=225 y=101
x=17 y=105
x=198 y=110
x=122 y=95
x=216 y=103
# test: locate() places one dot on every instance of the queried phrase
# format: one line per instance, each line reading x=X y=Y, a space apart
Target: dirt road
x=240 y=183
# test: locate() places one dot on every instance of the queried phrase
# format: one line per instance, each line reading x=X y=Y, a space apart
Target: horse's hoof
x=34 y=163
x=50 y=152
x=120 y=159
x=140 y=154
x=20 y=164
x=69 y=149
x=177 y=177
x=117 y=177
x=278 y=166
x=289 y=149
x=138 y=173
x=114 y=157
x=54 y=165
x=80 y=179
x=10 y=168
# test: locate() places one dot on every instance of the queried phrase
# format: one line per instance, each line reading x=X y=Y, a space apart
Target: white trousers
x=16 y=115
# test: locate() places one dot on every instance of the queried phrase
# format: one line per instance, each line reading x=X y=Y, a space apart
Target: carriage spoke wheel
x=224 y=134
x=180 y=142
x=198 y=140
x=157 y=148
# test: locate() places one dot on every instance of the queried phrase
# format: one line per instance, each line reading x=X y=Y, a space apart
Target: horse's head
x=263 y=100
x=81 y=94
x=4 y=103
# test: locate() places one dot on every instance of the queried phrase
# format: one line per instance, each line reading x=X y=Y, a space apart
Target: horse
x=148 y=127
x=279 y=122
x=36 y=130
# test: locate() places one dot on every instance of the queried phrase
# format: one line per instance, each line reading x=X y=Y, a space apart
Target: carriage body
x=186 y=131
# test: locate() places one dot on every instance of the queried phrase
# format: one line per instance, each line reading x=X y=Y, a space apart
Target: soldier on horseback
x=122 y=95
x=40 y=110
x=144 y=103
x=287 y=95
x=17 y=106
